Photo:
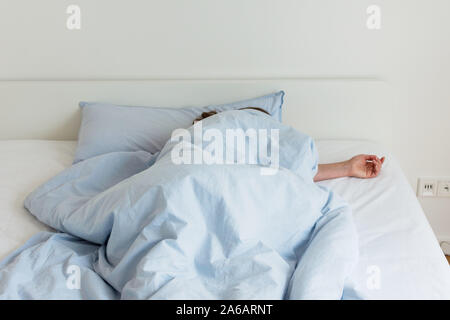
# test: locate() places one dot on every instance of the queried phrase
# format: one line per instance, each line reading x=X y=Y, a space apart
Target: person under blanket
x=136 y=225
x=363 y=166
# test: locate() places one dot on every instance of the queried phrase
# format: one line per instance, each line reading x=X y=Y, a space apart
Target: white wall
x=238 y=39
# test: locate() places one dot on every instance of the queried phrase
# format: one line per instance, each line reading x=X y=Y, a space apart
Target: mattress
x=399 y=255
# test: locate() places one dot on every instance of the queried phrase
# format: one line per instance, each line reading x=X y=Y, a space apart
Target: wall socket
x=433 y=187
x=443 y=188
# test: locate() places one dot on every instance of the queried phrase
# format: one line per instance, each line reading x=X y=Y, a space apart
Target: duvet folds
x=226 y=210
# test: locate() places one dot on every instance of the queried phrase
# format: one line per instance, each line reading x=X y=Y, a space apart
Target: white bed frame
x=322 y=107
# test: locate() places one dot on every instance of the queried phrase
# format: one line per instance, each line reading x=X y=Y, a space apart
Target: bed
x=399 y=255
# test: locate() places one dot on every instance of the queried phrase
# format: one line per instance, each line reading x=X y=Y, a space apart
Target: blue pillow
x=109 y=128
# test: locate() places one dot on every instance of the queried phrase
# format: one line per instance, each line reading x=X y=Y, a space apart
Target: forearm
x=333 y=171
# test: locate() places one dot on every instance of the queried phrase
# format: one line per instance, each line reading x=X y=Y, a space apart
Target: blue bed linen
x=138 y=226
x=110 y=128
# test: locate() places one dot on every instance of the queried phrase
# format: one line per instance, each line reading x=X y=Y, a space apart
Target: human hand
x=365 y=166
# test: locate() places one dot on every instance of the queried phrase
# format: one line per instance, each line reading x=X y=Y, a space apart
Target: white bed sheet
x=399 y=255
x=24 y=165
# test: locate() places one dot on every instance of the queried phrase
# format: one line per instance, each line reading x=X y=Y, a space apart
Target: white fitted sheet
x=24 y=165
x=399 y=255
x=395 y=239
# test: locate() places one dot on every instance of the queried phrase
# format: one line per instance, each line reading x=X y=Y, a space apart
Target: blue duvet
x=131 y=225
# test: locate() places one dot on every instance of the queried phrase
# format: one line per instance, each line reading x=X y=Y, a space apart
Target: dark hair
x=208 y=114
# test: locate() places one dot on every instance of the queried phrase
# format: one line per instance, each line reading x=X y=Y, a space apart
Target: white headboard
x=324 y=108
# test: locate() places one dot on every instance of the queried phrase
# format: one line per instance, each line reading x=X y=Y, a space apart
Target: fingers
x=370 y=157
x=371 y=163
x=370 y=171
x=374 y=165
x=377 y=166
